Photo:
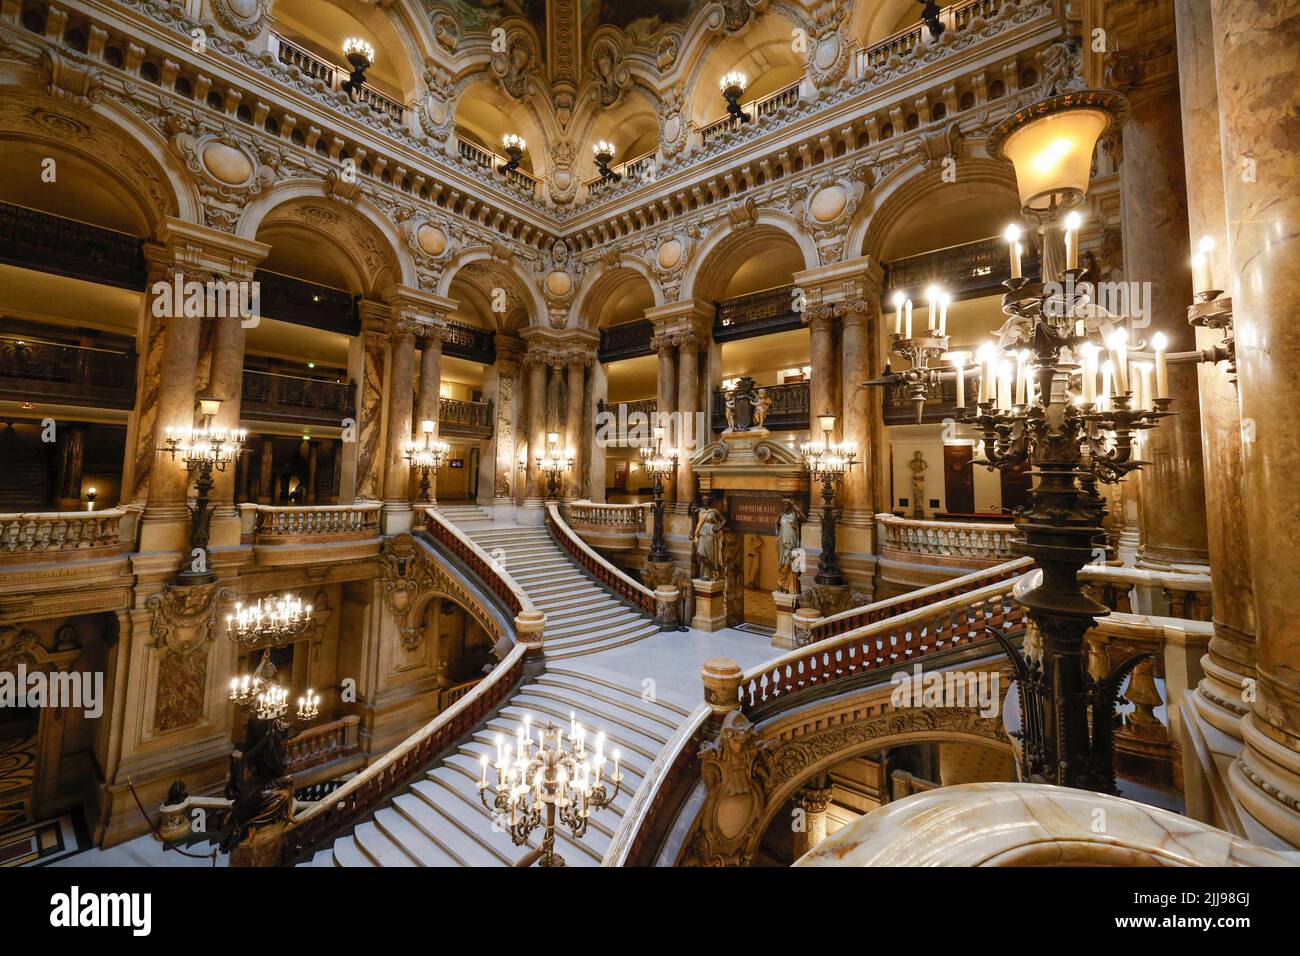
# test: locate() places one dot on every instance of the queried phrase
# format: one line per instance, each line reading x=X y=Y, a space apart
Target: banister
x=595 y=565
x=489 y=571
x=390 y=772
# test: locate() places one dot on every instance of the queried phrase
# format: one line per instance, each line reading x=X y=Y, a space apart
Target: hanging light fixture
x=514 y=146
x=733 y=88
x=270 y=620
x=604 y=152
x=361 y=55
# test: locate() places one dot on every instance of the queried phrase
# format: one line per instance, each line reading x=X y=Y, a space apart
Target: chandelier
x=540 y=784
x=428 y=457
x=554 y=463
x=828 y=463
x=604 y=153
x=263 y=696
x=921 y=378
x=271 y=620
x=361 y=56
x=204 y=451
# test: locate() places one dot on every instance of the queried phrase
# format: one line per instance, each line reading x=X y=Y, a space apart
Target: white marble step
x=580 y=679
x=463 y=830
x=562 y=631
x=346 y=853
x=378 y=848
x=414 y=842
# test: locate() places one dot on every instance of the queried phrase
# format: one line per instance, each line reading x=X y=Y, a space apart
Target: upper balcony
x=61 y=373
x=313 y=67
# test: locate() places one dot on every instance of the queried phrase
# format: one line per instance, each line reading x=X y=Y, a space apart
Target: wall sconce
x=604 y=156
x=733 y=88
x=91 y=495
x=361 y=55
x=514 y=146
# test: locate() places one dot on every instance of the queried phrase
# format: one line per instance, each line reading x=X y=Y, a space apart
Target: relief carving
x=734 y=770
x=181 y=626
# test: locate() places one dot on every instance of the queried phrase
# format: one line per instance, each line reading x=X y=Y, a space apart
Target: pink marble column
x=666 y=403
x=1172 y=494
x=1257 y=51
x=397 y=478
x=536 y=363
x=1231 y=657
x=577 y=378
x=226 y=382
x=688 y=403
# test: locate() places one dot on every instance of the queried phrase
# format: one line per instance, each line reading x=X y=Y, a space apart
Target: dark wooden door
x=1015 y=487
x=958 y=481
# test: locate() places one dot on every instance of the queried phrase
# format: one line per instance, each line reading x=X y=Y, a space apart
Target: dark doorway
x=958 y=480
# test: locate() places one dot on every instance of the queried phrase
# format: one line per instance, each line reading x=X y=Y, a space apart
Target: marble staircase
x=465 y=515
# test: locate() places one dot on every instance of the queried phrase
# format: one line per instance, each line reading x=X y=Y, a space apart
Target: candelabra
x=921 y=378
x=604 y=156
x=659 y=464
x=361 y=56
x=1212 y=310
x=265 y=698
x=733 y=88
x=554 y=463
x=828 y=463
x=428 y=457
x=514 y=146
x=1072 y=438
x=276 y=621
x=205 y=451
x=544 y=786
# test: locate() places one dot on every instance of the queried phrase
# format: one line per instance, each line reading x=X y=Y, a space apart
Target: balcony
x=470 y=343
x=65 y=374
x=967 y=271
x=789 y=410
x=271 y=396
x=758 y=313
x=314 y=68
x=629 y=340
x=47 y=243
x=314 y=534
x=470 y=419
x=757 y=109
x=638 y=168
x=473 y=153
x=955 y=18
x=37 y=537
x=901 y=410
x=287 y=299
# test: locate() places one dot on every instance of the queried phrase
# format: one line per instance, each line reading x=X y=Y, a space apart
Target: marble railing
x=33 y=535
x=449 y=695
x=591 y=562
x=1144 y=591
x=323 y=743
x=949 y=539
x=483 y=565
x=347 y=805
x=595 y=516
x=758 y=110
x=291 y=54
x=955 y=18
x=272 y=524
x=489 y=160
x=1031 y=824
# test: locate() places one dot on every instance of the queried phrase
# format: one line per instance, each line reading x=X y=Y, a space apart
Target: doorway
x=958 y=479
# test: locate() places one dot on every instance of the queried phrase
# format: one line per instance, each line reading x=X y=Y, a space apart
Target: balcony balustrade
x=758 y=313
x=473 y=419
x=629 y=340
x=470 y=343
x=607 y=526
x=313 y=67
x=46 y=243
x=323 y=744
x=277 y=397
x=967 y=271
x=305 y=303
x=959 y=543
x=66 y=374
x=311 y=524
x=900 y=409
x=634 y=169
x=758 y=109
x=955 y=18
x=489 y=160
x=58 y=536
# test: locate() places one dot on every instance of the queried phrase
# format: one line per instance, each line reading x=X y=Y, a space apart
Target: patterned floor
x=35 y=844
x=17 y=772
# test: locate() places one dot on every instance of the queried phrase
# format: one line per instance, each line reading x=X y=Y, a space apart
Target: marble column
x=537 y=364
x=509 y=357
x=226 y=382
x=1257 y=52
x=1154 y=201
x=362 y=463
x=821 y=385
x=1230 y=660
x=666 y=403
x=429 y=402
x=313 y=456
x=396 y=512
x=596 y=447
x=573 y=424
x=688 y=403
x=811 y=802
x=168 y=480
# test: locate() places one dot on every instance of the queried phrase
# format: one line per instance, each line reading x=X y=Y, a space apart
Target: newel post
x=528 y=632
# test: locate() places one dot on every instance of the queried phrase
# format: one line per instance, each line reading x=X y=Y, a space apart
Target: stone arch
x=136 y=164
x=729 y=246
x=376 y=249
x=511 y=274
x=598 y=286
x=916 y=184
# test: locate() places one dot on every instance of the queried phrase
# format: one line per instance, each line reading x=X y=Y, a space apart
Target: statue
x=918 y=465
x=731 y=412
x=708 y=542
x=788 y=526
x=761 y=404
x=753 y=559
x=260 y=788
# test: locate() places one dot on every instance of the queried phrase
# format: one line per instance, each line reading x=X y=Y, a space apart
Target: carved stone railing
x=926 y=631
x=955 y=18
x=293 y=398
x=480 y=563
x=324 y=743
x=822 y=628
x=55 y=535
x=596 y=516
x=290 y=54
x=65 y=374
x=757 y=110
x=596 y=566
x=757 y=313
x=348 y=805
x=465 y=418
x=309 y=524
x=962 y=543
x=634 y=168
x=489 y=160
x=789 y=411
x=900 y=409
x=1146 y=591
x=1031 y=824
x=449 y=695
x=469 y=342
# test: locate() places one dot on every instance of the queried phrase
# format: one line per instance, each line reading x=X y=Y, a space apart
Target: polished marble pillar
x=509 y=404
x=72 y=461
x=689 y=434
x=397 y=479
x=822 y=382
x=811 y=803
x=226 y=382
x=1230 y=661
x=536 y=362
x=573 y=424
x=1154 y=202
x=429 y=401
x=1257 y=51
x=666 y=398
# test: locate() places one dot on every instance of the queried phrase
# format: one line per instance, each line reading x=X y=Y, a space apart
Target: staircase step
x=581 y=677
x=346 y=853
x=616 y=623
x=413 y=841
x=620 y=697
x=435 y=814
x=376 y=845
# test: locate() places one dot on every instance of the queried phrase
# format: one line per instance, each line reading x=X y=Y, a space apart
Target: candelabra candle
x=1012 y=235
x=907 y=319
x=548 y=786
x=898 y=313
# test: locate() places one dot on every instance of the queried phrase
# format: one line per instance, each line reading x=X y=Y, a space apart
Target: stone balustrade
x=310 y=523
x=324 y=743
x=449 y=695
x=591 y=515
x=988 y=543
x=1180 y=594
x=42 y=535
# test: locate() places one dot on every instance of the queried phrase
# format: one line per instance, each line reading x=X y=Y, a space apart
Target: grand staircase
x=439 y=820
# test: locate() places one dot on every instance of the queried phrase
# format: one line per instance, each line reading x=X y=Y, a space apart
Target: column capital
x=860 y=278
x=510 y=352
x=191 y=249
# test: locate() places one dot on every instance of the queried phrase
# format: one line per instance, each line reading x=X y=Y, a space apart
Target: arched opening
x=766 y=57
x=485 y=115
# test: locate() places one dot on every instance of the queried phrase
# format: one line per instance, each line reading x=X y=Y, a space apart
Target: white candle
x=1004 y=385
x=1012 y=235
x=1089 y=373
x=1103 y=400
x=943 y=313
x=1118 y=344
x=961 y=386
x=1160 y=343
x=1205 y=247
x=907 y=319
x=1072 y=223
x=1021 y=375
x=898 y=313
x=931 y=308
x=1144 y=381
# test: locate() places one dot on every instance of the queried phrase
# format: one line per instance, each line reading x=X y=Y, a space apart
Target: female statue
x=708 y=542
x=788 y=547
